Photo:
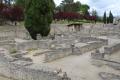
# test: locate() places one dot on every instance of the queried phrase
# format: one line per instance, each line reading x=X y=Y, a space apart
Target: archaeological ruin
x=91 y=53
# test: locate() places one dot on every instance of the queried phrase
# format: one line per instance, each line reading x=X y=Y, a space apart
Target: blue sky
x=101 y=5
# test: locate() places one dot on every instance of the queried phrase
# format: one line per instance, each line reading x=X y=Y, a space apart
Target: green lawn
x=75 y=21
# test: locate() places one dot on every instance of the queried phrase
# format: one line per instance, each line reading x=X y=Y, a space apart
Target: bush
x=14 y=13
x=73 y=16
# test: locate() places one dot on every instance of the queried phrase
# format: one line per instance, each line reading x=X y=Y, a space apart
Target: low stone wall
x=11 y=34
x=42 y=44
x=9 y=45
x=88 y=39
x=109 y=76
x=112 y=48
x=91 y=46
x=7 y=41
x=4 y=38
x=60 y=53
x=66 y=41
x=100 y=58
x=23 y=34
x=97 y=55
x=14 y=71
x=57 y=54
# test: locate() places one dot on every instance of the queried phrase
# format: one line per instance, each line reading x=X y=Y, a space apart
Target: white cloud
x=104 y=5
x=83 y=1
x=57 y=2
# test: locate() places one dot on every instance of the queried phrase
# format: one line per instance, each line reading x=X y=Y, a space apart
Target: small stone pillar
x=65 y=77
x=52 y=37
x=103 y=55
x=97 y=51
x=72 y=47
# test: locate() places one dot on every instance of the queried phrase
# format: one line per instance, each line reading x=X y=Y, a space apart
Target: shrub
x=12 y=13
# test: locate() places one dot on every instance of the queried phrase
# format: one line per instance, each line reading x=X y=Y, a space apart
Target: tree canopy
x=71 y=6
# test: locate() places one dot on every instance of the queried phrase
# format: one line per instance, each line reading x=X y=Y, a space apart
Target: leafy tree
x=84 y=9
x=38 y=16
x=76 y=6
x=67 y=16
x=111 y=17
x=69 y=6
x=104 y=18
x=95 y=14
x=64 y=3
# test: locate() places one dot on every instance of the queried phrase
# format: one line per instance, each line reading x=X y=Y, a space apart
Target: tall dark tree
x=111 y=17
x=38 y=16
x=104 y=18
x=108 y=20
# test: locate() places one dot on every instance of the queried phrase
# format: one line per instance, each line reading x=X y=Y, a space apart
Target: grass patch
x=13 y=51
x=31 y=49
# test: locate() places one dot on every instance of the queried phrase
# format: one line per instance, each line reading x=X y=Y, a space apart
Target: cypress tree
x=104 y=18
x=110 y=17
x=38 y=16
x=108 y=20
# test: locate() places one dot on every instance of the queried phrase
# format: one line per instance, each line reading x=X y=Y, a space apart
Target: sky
x=100 y=6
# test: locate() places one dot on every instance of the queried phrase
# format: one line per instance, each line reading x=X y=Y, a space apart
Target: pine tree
x=104 y=18
x=38 y=16
x=110 y=17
